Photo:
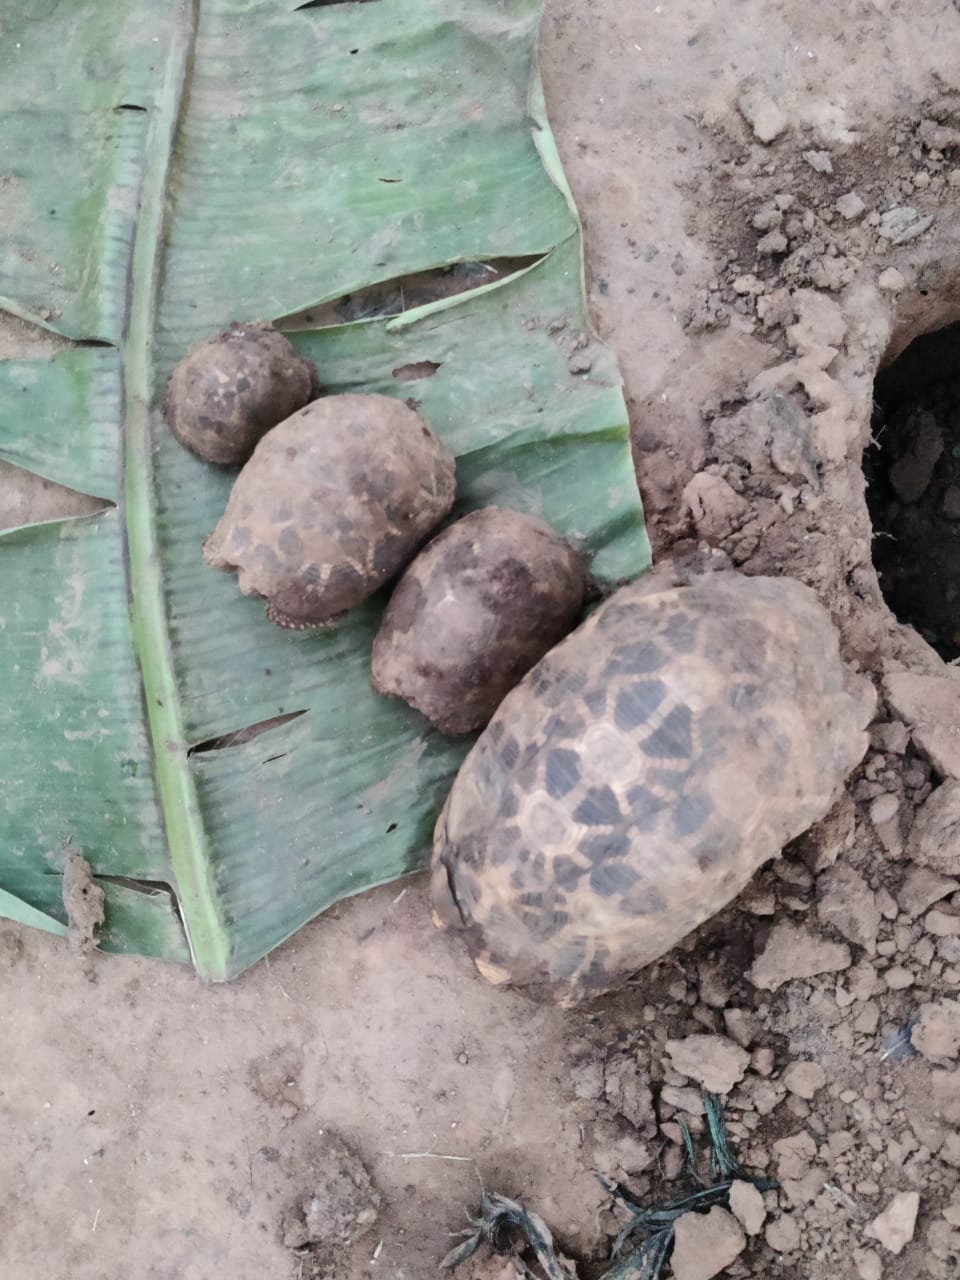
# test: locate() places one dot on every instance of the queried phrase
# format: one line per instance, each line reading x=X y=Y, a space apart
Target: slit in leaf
x=129 y=106
x=323 y=4
x=27 y=498
x=403 y=293
x=417 y=369
x=238 y=737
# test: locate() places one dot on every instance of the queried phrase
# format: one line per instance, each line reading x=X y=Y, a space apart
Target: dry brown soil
x=770 y=195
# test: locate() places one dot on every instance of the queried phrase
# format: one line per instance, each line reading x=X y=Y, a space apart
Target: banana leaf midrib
x=175 y=785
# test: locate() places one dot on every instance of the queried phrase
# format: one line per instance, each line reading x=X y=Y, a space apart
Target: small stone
x=888 y=907
x=898 y=978
x=683 y=1099
x=867 y=1019
x=912 y=472
x=705 y=1244
x=894 y=1227
x=921 y=888
x=848 y=904
x=936 y=1032
x=580 y=362
x=868 y=1264
x=587 y=1080
x=883 y=808
x=902 y=224
x=716 y=509
x=761 y=113
x=891 y=280
x=850 y=206
x=891 y=737
x=819 y=161
x=747 y=284
x=617 y=1152
x=741 y=1026
x=794 y=1156
x=747 y=1205
x=935 y=837
x=341 y=1203
x=783 y=1234
x=804 y=1079
x=950 y=503
x=713 y=987
x=773 y=242
x=761 y=1060
x=713 y=1061
x=942 y=924
x=931 y=707
x=792 y=951
x=767 y=218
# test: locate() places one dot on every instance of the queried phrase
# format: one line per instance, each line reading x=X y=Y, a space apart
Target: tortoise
x=473 y=612
x=632 y=783
x=228 y=391
x=333 y=503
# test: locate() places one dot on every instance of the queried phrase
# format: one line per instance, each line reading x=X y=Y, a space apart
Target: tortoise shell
x=333 y=503
x=472 y=614
x=633 y=782
x=227 y=392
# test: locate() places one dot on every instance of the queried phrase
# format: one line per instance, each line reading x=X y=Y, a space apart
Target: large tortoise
x=633 y=782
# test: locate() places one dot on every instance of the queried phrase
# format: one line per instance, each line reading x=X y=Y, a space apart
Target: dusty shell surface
x=635 y=780
x=227 y=392
x=333 y=504
x=473 y=613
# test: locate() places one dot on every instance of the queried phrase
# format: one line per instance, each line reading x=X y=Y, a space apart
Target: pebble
x=587 y=1080
x=891 y=280
x=942 y=924
x=903 y=224
x=793 y=951
x=804 y=1079
x=950 y=503
x=773 y=242
x=705 y=1244
x=782 y=1235
x=819 y=160
x=935 y=836
x=714 y=1062
x=848 y=904
x=931 y=706
x=893 y=1228
x=883 y=808
x=850 y=206
x=898 y=978
x=892 y=737
x=747 y=1205
x=936 y=1032
x=868 y=1264
x=761 y=113
x=921 y=888
x=741 y=1026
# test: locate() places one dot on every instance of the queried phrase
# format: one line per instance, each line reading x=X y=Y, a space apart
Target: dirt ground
x=770 y=196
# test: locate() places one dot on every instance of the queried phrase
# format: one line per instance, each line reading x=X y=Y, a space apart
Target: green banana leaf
x=167 y=166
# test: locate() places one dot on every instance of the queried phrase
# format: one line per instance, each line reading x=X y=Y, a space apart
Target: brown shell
x=635 y=780
x=478 y=607
x=333 y=503
x=227 y=392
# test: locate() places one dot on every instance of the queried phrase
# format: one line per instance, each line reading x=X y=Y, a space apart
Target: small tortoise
x=333 y=503
x=633 y=782
x=226 y=393
x=483 y=602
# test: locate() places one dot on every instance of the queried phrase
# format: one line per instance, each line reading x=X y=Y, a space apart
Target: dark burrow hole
x=912 y=468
